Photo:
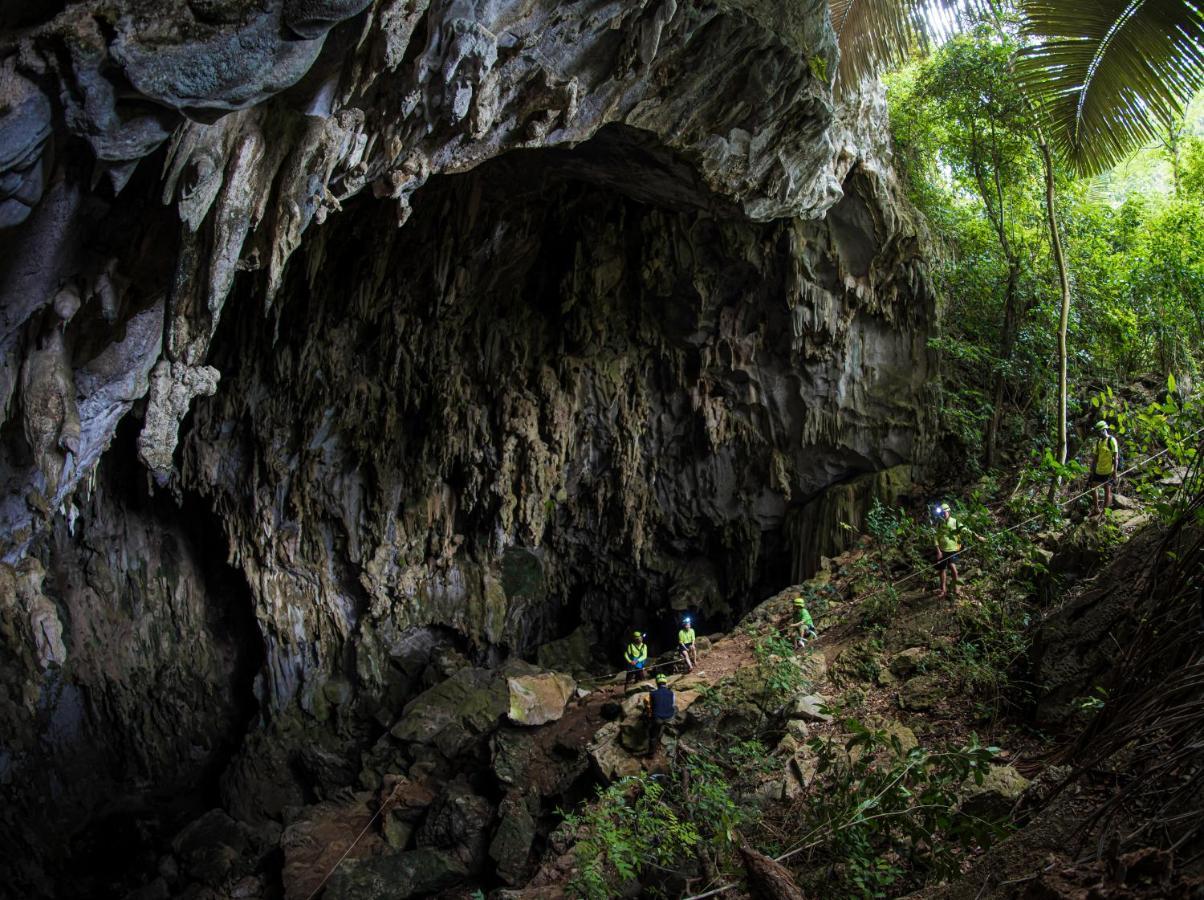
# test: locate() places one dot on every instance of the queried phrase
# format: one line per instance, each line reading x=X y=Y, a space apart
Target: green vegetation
x=965 y=140
x=648 y=828
x=1065 y=300
x=881 y=813
x=777 y=669
x=627 y=828
x=878 y=814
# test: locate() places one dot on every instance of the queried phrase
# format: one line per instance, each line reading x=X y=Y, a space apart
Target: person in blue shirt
x=662 y=707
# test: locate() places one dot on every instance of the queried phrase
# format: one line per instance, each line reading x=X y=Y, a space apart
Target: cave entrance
x=557 y=354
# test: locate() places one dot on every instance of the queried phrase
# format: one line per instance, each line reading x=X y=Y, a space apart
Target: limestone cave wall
x=344 y=344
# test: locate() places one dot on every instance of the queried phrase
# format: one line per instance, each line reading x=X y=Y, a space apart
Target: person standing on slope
x=662 y=707
x=1105 y=461
x=948 y=545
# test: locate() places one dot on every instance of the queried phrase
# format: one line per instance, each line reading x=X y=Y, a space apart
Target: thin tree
x=1106 y=77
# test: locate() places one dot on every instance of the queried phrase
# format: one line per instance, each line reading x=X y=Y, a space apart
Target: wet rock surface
x=286 y=490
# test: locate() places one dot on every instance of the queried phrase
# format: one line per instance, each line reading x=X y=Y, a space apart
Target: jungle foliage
x=966 y=138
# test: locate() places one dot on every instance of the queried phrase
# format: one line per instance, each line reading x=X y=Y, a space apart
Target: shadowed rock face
x=539 y=403
x=437 y=330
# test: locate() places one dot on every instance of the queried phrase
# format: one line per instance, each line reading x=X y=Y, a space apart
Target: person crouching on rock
x=662 y=707
x=636 y=657
x=803 y=624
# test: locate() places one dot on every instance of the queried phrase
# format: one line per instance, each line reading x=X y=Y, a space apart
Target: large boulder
x=455 y=713
x=573 y=653
x=397 y=876
x=316 y=838
x=211 y=848
x=908 y=662
x=809 y=708
x=611 y=761
x=458 y=823
x=515 y=753
x=539 y=699
x=408 y=801
x=921 y=693
x=994 y=799
x=511 y=844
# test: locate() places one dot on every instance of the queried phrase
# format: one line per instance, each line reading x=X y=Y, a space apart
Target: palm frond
x=1110 y=75
x=875 y=35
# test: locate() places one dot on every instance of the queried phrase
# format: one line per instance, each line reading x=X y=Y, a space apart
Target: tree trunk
x=1055 y=240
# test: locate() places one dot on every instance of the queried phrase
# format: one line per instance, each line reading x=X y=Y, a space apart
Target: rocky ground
x=463 y=792
x=600 y=733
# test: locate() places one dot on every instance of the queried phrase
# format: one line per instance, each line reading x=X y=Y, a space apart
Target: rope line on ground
x=598 y=679
x=325 y=878
x=1029 y=520
x=714 y=892
x=673 y=662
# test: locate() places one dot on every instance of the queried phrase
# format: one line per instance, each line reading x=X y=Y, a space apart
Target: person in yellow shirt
x=685 y=643
x=1105 y=461
x=949 y=533
x=636 y=657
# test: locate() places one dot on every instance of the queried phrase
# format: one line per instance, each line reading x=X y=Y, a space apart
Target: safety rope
x=923 y=569
x=598 y=679
x=727 y=887
x=673 y=662
x=384 y=806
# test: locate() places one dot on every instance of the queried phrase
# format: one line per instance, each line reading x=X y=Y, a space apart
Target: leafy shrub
x=995 y=636
x=888 y=525
x=779 y=670
x=881 y=606
x=878 y=810
x=627 y=827
x=645 y=822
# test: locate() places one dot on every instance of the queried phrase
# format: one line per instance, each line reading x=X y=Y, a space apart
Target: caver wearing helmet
x=636 y=656
x=1105 y=465
x=803 y=623
x=685 y=643
x=662 y=707
x=949 y=534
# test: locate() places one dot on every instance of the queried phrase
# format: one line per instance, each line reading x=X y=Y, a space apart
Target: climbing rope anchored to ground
x=806 y=844
x=599 y=679
x=966 y=553
x=381 y=811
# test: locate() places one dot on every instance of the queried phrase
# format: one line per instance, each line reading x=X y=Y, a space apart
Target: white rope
x=321 y=884
x=1030 y=519
x=727 y=887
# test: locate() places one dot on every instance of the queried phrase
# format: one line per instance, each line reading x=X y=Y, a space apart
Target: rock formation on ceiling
x=438 y=327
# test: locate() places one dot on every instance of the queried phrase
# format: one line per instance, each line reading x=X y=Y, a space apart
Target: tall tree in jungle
x=988 y=148
x=1105 y=78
